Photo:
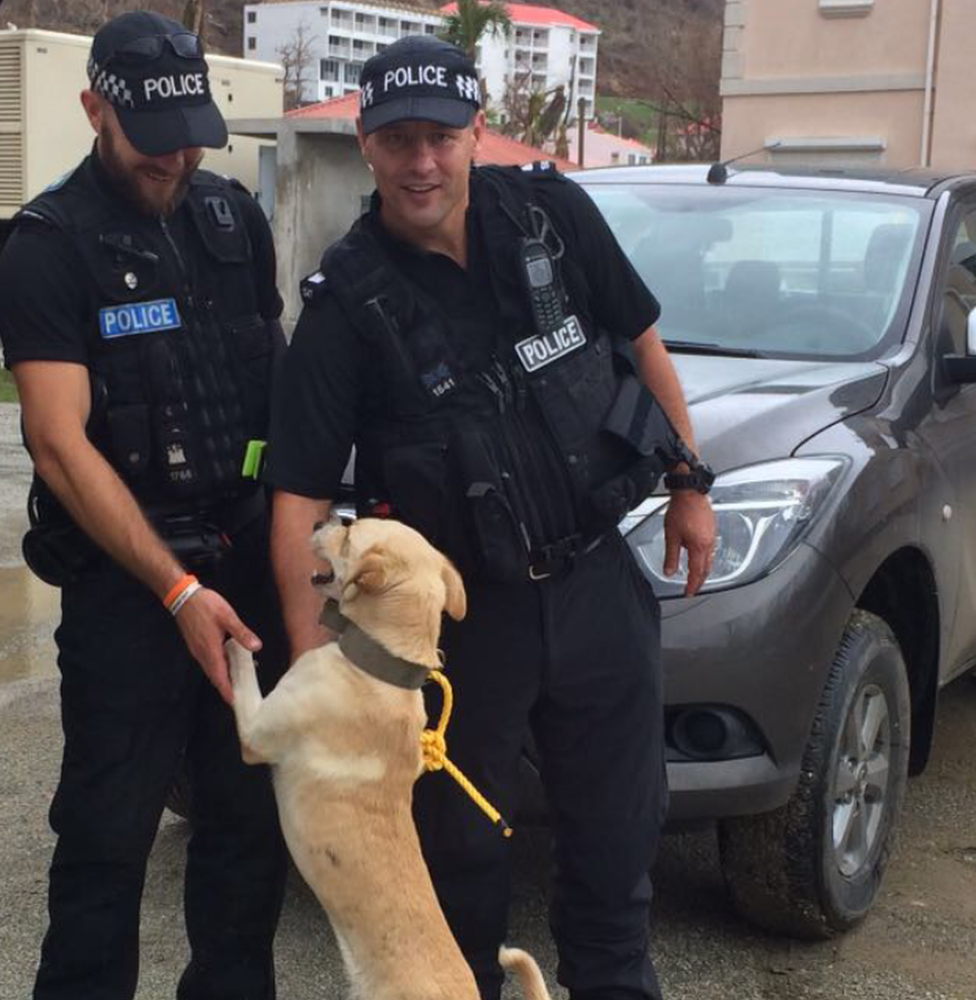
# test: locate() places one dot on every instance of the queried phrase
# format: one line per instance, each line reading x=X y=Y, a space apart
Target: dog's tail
x=526 y=971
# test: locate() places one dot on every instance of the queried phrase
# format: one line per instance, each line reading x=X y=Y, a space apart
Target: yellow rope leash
x=433 y=746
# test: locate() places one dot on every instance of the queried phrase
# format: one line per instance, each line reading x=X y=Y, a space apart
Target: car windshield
x=779 y=273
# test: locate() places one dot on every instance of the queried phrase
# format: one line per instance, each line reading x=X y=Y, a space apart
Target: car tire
x=812 y=868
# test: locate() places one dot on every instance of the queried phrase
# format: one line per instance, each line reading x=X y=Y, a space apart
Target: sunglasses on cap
x=140 y=50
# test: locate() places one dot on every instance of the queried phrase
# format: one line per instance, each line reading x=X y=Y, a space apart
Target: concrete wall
x=242 y=87
x=954 y=123
x=843 y=81
x=321 y=181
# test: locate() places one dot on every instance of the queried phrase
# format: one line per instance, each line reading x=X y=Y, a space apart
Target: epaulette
x=313 y=287
x=544 y=168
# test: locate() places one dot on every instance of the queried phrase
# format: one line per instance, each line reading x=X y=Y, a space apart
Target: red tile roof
x=495 y=148
x=525 y=13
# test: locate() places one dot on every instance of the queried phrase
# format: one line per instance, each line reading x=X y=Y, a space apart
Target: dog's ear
x=456 y=601
x=370 y=575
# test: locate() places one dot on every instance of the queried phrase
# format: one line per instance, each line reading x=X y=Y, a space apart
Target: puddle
x=29 y=611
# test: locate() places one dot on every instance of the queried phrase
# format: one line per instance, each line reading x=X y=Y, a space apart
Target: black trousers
x=132 y=702
x=576 y=660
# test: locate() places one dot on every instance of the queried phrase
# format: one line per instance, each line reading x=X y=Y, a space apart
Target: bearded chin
x=126 y=180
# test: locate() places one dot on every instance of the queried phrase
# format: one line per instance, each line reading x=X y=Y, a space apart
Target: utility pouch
x=129 y=431
x=499 y=533
x=415 y=477
x=637 y=419
x=59 y=554
x=195 y=543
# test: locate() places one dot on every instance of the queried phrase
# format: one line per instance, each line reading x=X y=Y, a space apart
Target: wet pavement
x=918 y=944
x=28 y=608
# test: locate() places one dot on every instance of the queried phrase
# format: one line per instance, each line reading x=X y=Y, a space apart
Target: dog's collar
x=367 y=654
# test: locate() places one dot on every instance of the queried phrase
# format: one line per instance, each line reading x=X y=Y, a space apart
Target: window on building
x=351 y=71
x=328 y=70
x=252 y=44
x=252 y=16
x=615 y=157
x=358 y=45
x=845 y=8
x=430 y=29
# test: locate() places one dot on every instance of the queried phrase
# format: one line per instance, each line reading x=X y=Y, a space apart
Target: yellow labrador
x=344 y=746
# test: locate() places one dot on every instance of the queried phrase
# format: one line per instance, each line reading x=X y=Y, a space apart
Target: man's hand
x=205 y=621
x=689 y=524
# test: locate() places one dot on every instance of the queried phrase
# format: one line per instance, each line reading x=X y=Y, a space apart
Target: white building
x=606 y=149
x=340 y=35
x=545 y=48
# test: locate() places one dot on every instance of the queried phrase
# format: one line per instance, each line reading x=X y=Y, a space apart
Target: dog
x=344 y=747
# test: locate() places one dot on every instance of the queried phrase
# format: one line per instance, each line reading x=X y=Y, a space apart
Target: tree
x=297 y=58
x=532 y=115
x=195 y=17
x=471 y=20
x=687 y=68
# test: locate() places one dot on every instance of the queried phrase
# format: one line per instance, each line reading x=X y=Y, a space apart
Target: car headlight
x=761 y=512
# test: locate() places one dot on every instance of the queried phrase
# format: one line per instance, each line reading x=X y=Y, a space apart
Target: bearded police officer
x=138 y=312
x=482 y=340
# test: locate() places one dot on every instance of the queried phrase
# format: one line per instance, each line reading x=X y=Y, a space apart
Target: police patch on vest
x=539 y=351
x=138 y=317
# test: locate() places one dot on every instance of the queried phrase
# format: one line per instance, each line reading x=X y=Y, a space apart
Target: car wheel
x=813 y=867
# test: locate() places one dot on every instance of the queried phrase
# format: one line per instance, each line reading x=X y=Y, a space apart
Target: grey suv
x=824 y=328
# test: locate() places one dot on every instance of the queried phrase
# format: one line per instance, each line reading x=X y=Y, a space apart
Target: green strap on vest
x=253 y=459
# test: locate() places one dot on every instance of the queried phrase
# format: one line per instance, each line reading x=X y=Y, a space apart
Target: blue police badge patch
x=538 y=351
x=138 y=317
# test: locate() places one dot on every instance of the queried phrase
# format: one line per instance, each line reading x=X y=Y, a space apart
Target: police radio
x=542 y=282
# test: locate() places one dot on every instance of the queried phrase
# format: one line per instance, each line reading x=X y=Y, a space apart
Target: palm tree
x=472 y=19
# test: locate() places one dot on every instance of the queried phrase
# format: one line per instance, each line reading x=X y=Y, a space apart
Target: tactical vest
x=524 y=461
x=180 y=356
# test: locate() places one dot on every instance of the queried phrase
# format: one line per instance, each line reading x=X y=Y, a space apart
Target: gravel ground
x=918 y=944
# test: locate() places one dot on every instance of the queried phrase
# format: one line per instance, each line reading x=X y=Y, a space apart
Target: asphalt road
x=919 y=943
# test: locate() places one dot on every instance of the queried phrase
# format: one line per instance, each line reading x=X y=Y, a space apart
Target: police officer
x=138 y=312
x=482 y=340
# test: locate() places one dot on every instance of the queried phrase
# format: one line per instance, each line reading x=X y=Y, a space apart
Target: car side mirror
x=961 y=370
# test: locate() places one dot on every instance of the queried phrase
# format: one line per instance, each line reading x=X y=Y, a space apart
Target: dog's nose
x=345 y=520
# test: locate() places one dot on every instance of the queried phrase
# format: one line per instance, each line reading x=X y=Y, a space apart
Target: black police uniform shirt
x=44 y=300
x=319 y=396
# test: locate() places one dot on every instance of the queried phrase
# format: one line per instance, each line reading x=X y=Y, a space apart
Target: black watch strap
x=699 y=479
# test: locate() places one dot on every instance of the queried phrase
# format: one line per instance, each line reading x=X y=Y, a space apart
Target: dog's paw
x=240 y=661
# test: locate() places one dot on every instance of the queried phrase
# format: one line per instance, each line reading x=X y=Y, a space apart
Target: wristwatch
x=699 y=476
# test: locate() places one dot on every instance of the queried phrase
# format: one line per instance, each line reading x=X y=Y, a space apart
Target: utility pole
x=580 y=131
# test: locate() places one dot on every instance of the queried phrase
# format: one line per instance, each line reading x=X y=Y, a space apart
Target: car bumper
x=763 y=652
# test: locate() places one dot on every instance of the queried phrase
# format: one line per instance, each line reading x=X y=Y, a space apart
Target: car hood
x=747 y=410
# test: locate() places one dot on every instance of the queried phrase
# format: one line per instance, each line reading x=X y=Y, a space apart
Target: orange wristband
x=187 y=580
